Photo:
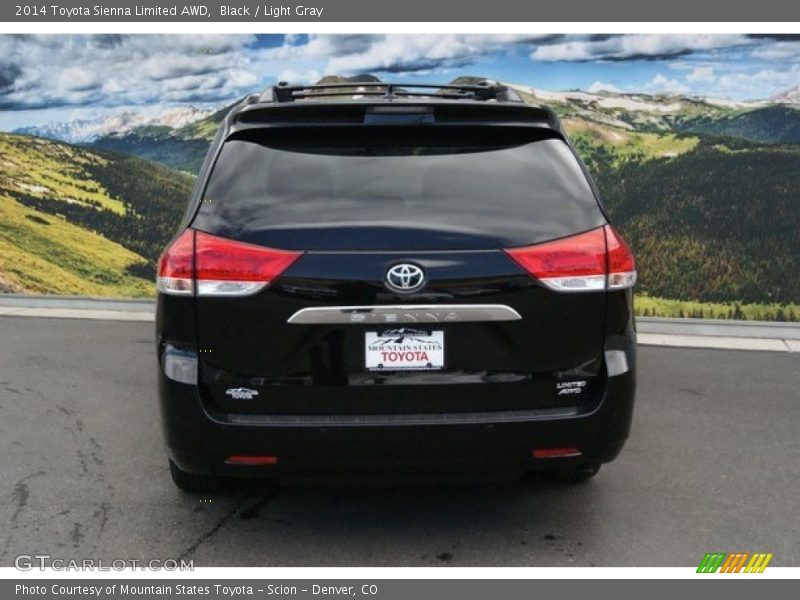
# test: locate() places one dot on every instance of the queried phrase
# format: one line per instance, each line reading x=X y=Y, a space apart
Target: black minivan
x=391 y=279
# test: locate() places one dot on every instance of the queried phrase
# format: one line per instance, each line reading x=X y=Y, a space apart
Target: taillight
x=593 y=261
x=227 y=268
x=219 y=266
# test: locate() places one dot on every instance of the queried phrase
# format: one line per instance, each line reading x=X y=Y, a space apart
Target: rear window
x=397 y=188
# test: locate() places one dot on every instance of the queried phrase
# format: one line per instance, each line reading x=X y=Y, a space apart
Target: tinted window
x=399 y=188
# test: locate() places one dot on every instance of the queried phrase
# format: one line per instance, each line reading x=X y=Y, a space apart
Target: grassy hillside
x=608 y=147
x=74 y=221
x=648 y=306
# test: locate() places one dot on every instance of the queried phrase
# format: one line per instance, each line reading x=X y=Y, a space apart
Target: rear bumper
x=200 y=442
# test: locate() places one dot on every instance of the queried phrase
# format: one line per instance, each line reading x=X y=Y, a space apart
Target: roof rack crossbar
x=486 y=90
x=303 y=95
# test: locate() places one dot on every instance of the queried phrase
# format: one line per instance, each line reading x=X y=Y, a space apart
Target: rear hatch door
x=358 y=202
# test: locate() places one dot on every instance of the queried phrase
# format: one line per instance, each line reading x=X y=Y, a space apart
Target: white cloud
x=601 y=86
x=701 y=74
x=663 y=84
x=140 y=70
x=77 y=79
x=116 y=70
x=292 y=38
x=626 y=47
x=778 y=51
x=350 y=54
x=299 y=77
x=769 y=82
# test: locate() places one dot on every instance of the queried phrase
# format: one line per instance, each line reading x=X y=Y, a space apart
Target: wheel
x=193 y=483
x=577 y=474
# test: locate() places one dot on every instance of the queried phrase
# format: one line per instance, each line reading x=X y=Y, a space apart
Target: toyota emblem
x=405 y=278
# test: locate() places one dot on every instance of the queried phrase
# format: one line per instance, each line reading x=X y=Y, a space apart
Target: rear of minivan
x=381 y=297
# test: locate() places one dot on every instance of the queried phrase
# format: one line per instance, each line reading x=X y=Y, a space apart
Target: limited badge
x=570 y=387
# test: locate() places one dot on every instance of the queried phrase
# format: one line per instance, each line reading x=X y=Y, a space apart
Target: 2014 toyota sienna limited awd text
x=393 y=278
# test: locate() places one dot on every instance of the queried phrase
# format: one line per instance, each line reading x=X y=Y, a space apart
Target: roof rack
x=484 y=90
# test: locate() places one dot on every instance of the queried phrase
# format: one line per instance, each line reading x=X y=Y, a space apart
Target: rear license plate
x=404 y=349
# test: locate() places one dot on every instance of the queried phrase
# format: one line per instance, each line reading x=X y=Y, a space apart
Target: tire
x=192 y=483
x=578 y=474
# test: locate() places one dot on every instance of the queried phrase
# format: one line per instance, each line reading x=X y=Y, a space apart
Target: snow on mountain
x=638 y=102
x=181 y=115
x=790 y=96
x=728 y=103
x=87 y=130
x=605 y=99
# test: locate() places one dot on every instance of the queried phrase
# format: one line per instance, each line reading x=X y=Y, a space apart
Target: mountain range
x=82 y=131
x=770 y=121
x=171 y=137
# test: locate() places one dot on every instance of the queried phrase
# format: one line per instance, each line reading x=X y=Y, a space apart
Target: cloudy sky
x=51 y=78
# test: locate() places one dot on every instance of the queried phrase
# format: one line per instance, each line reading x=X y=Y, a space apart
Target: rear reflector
x=621 y=263
x=208 y=265
x=252 y=460
x=176 y=267
x=556 y=452
x=592 y=261
x=179 y=365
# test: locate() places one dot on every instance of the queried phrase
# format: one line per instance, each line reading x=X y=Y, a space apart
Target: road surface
x=713 y=463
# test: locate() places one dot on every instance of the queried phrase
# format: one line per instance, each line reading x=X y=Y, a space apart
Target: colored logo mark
x=735 y=562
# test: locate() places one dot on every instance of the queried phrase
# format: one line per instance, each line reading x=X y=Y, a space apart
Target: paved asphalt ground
x=713 y=464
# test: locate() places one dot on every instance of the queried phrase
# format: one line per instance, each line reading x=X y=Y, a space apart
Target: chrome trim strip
x=467 y=418
x=403 y=313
